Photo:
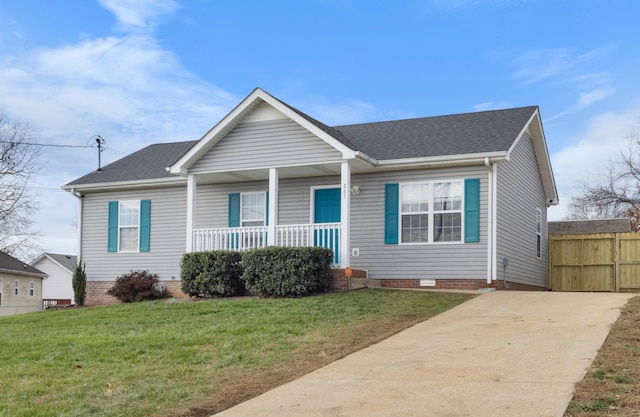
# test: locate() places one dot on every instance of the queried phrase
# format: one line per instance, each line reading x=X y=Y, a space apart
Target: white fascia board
x=347 y=152
x=237 y=114
x=52 y=260
x=446 y=160
x=119 y=185
x=542 y=156
x=216 y=133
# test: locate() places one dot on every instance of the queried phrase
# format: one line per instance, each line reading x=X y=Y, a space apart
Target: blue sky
x=143 y=71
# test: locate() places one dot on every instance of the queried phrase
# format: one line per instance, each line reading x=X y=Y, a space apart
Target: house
x=452 y=201
x=59 y=268
x=20 y=286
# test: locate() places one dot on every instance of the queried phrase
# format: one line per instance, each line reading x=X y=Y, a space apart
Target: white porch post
x=192 y=186
x=345 y=214
x=273 y=207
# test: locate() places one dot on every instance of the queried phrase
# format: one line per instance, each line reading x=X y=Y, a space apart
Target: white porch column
x=345 y=214
x=192 y=186
x=273 y=207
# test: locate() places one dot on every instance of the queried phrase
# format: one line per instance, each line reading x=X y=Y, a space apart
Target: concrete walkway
x=500 y=354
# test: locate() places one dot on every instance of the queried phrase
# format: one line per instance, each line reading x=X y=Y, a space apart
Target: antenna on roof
x=100 y=142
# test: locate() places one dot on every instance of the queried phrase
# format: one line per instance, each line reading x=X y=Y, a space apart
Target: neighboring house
x=20 y=286
x=437 y=201
x=59 y=268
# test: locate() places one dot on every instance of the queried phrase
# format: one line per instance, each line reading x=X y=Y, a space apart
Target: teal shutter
x=234 y=210
x=472 y=210
x=391 y=211
x=145 y=225
x=112 y=245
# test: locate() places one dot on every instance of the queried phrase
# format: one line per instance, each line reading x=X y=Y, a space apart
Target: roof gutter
x=448 y=160
x=120 y=185
x=28 y=274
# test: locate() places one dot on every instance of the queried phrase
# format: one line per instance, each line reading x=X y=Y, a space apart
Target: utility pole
x=100 y=142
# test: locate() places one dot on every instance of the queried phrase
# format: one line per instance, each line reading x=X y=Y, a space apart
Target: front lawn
x=182 y=358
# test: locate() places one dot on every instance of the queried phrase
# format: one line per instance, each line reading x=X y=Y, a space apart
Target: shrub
x=79 y=283
x=137 y=286
x=287 y=272
x=211 y=274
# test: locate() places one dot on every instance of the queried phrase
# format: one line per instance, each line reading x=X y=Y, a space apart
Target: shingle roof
x=11 y=264
x=67 y=261
x=147 y=163
x=459 y=134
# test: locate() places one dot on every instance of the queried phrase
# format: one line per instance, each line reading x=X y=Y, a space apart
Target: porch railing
x=325 y=235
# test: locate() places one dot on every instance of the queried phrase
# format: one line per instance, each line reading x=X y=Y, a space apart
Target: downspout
x=79 y=196
x=490 y=209
x=494 y=238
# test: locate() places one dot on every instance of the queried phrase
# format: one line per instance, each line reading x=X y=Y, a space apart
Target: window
x=32 y=288
x=1 y=291
x=129 y=226
x=539 y=233
x=431 y=212
x=16 y=290
x=129 y=220
x=252 y=209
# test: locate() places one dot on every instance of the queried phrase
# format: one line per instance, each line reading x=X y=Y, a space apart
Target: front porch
x=254 y=217
x=326 y=235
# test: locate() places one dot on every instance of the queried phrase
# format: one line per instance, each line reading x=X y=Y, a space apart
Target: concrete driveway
x=501 y=354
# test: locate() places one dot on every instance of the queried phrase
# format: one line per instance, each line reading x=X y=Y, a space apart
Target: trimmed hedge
x=287 y=272
x=211 y=274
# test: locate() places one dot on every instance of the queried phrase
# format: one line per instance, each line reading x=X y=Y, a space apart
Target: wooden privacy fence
x=597 y=262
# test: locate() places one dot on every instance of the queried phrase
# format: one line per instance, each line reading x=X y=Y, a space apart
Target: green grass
x=188 y=358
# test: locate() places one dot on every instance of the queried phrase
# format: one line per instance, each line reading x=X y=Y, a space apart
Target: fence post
x=616 y=261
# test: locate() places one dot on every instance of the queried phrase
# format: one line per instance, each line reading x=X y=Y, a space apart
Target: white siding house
x=59 y=268
x=434 y=201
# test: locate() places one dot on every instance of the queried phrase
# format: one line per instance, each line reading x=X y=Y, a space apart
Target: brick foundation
x=97 y=292
x=458 y=284
x=340 y=282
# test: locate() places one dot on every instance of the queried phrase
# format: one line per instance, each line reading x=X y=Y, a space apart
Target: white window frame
x=312 y=199
x=538 y=233
x=431 y=212
x=264 y=211
x=128 y=204
x=32 y=288
x=16 y=288
x=1 y=284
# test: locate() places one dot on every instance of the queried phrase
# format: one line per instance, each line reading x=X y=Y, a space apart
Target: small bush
x=137 y=286
x=79 y=283
x=287 y=272
x=211 y=274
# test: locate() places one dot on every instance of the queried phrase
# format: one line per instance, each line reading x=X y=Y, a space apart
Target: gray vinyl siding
x=449 y=260
x=212 y=204
x=444 y=261
x=264 y=144
x=519 y=194
x=168 y=234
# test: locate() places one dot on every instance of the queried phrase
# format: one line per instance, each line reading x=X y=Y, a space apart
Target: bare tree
x=618 y=195
x=19 y=163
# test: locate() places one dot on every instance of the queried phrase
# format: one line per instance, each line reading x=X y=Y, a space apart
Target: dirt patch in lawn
x=611 y=386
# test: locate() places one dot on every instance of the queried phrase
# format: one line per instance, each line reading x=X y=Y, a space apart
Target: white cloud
x=492 y=105
x=136 y=15
x=587 y=161
x=541 y=64
x=127 y=89
x=335 y=114
x=585 y=99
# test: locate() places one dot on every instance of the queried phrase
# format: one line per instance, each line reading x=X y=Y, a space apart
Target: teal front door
x=327 y=210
